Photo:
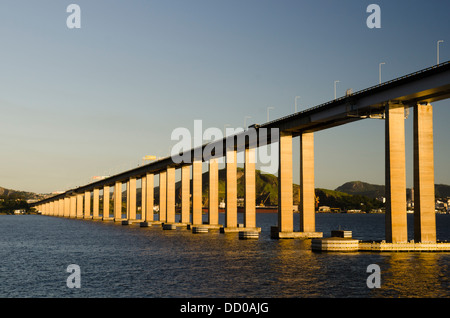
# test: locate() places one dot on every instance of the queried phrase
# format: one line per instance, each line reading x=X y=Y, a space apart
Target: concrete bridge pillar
x=197 y=208
x=285 y=195
x=59 y=207
x=73 y=206
x=424 y=196
x=170 y=195
x=185 y=194
x=66 y=207
x=131 y=199
x=79 y=213
x=307 y=189
x=149 y=197
x=162 y=196
x=396 y=229
x=213 y=193
x=118 y=201
x=250 y=189
x=106 y=198
x=231 y=190
x=87 y=204
x=144 y=198
x=96 y=204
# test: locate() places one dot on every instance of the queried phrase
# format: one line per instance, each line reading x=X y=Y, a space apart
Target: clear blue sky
x=77 y=103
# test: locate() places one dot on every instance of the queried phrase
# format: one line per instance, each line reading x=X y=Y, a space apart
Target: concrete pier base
x=169 y=226
x=247 y=235
x=340 y=244
x=239 y=229
x=341 y=233
x=199 y=229
x=108 y=219
x=149 y=223
x=209 y=226
x=127 y=222
x=404 y=247
x=276 y=234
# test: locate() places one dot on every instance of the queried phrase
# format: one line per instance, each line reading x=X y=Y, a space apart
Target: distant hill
x=442 y=190
x=267 y=192
x=22 y=195
x=376 y=191
x=266 y=187
x=362 y=188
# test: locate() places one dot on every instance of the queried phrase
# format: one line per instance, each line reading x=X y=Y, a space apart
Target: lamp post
x=225 y=129
x=296 y=102
x=379 y=67
x=245 y=122
x=438 y=42
x=268 y=108
x=335 y=88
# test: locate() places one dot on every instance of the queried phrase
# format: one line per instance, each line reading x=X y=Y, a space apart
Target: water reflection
x=414 y=275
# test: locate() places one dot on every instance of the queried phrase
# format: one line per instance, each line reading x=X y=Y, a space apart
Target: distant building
x=324 y=209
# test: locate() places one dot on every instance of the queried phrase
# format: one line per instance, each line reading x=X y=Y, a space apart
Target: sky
x=92 y=101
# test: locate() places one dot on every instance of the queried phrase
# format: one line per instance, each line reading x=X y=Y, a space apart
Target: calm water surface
x=129 y=261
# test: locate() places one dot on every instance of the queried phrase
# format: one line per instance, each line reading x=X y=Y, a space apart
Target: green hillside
x=267 y=193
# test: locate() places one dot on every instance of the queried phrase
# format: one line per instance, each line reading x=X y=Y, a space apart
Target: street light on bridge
x=268 y=108
x=438 y=42
x=296 y=102
x=379 y=67
x=335 y=88
x=245 y=122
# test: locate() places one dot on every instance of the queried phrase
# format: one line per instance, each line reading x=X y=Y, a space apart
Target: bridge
x=388 y=101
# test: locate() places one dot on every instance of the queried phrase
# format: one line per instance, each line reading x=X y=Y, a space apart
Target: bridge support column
x=149 y=196
x=60 y=207
x=73 y=207
x=87 y=205
x=118 y=201
x=307 y=190
x=170 y=218
x=162 y=196
x=79 y=206
x=66 y=207
x=96 y=204
x=197 y=209
x=250 y=189
x=106 y=198
x=185 y=194
x=424 y=196
x=231 y=191
x=396 y=229
x=131 y=199
x=213 y=193
x=285 y=195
